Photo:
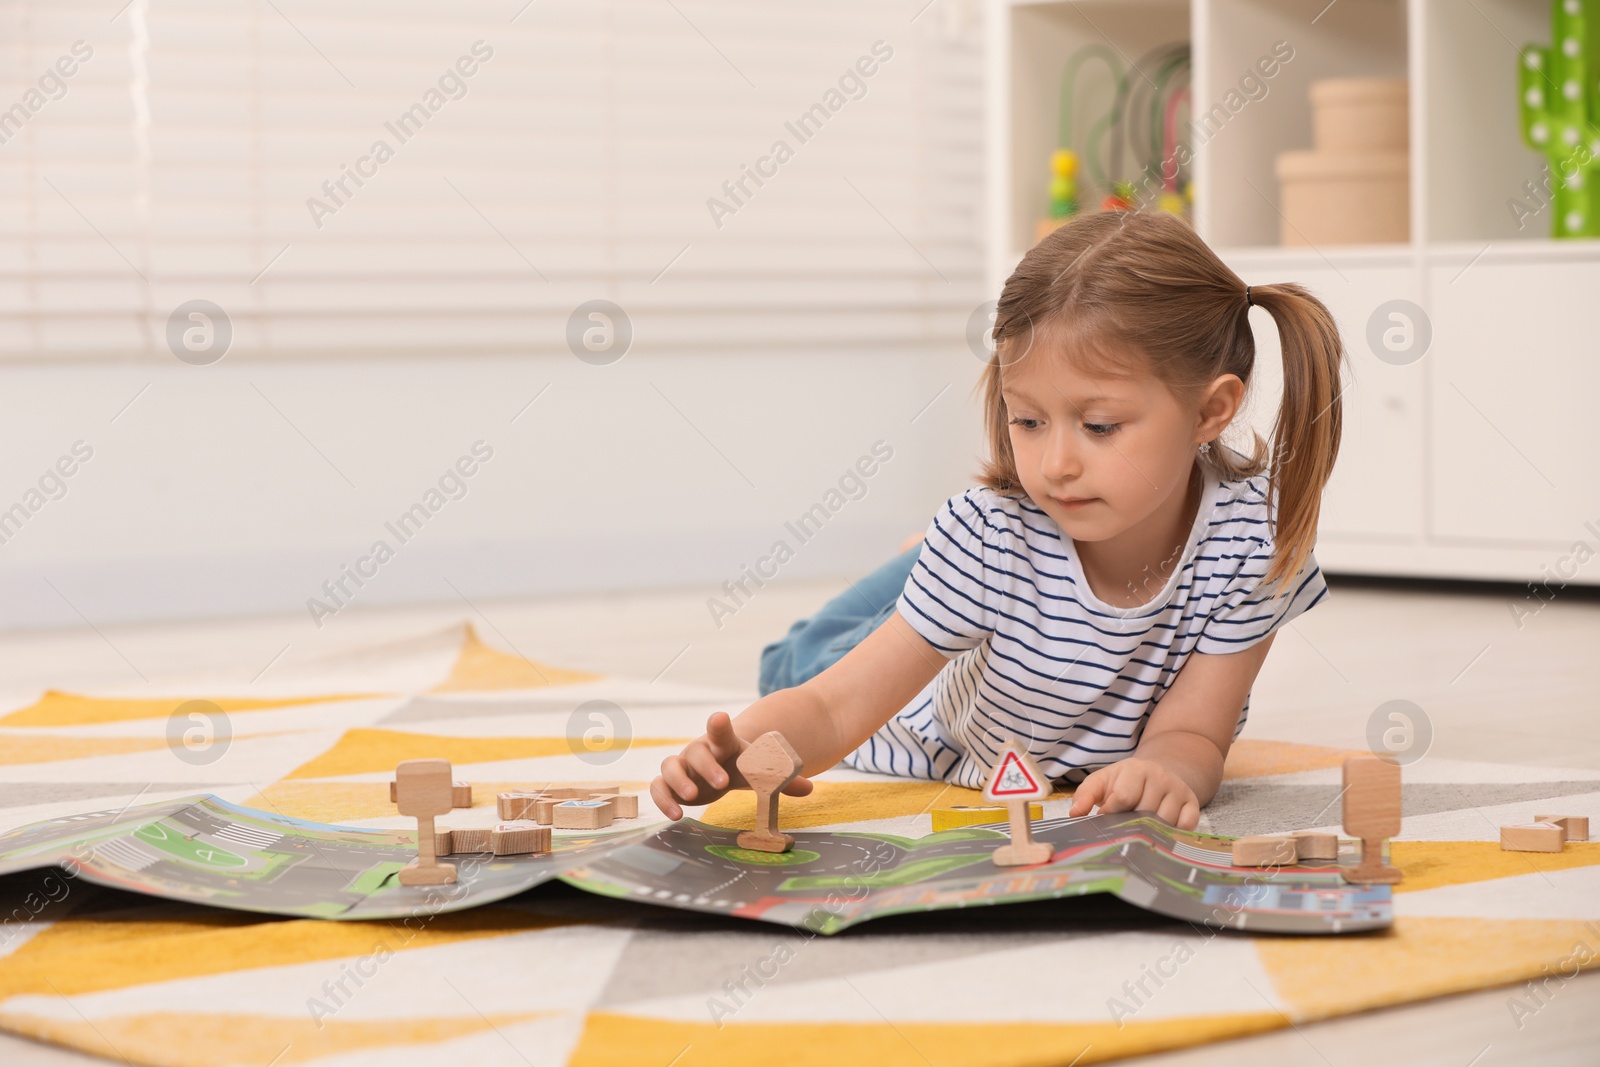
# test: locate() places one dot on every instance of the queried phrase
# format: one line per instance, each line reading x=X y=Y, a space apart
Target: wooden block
x=625 y=805
x=519 y=838
x=392 y=796
x=582 y=814
x=565 y=792
x=433 y=874
x=540 y=812
x=592 y=789
x=423 y=787
x=1315 y=846
x=443 y=842
x=512 y=807
x=1533 y=837
x=503 y=804
x=464 y=840
x=962 y=815
x=1262 y=851
x=1576 y=826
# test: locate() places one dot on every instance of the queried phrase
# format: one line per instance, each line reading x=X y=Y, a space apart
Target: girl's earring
x=1205 y=447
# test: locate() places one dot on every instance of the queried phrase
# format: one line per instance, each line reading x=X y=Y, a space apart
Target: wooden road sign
x=423 y=790
x=768 y=764
x=1015 y=781
x=1372 y=813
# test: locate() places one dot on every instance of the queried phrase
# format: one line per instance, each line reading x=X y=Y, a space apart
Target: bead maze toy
x=1139 y=129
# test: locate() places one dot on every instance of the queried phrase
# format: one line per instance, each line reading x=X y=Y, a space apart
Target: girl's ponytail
x=1305 y=436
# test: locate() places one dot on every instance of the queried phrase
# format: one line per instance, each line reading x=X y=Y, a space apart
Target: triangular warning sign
x=1016 y=778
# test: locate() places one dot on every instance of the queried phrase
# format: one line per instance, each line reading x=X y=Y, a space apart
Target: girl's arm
x=1177 y=767
x=824 y=719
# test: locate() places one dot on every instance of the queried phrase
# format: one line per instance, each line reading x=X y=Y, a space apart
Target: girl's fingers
x=800 y=787
x=719 y=734
x=1125 y=794
x=1170 y=810
x=663 y=798
x=1151 y=798
x=704 y=763
x=1089 y=793
x=1189 y=816
x=678 y=780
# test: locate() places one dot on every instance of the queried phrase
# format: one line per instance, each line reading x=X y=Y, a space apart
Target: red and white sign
x=1016 y=777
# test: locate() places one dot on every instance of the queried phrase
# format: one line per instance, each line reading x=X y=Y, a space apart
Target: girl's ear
x=1219 y=403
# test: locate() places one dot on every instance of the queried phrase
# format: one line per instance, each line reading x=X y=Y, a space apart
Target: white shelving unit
x=1479 y=460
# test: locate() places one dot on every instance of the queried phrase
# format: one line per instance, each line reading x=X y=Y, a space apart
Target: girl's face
x=1098 y=455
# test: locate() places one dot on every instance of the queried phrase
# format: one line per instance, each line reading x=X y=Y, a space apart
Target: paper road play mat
x=660 y=943
x=212 y=852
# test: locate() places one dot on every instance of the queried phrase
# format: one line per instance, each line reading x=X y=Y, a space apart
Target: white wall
x=243 y=486
x=202 y=499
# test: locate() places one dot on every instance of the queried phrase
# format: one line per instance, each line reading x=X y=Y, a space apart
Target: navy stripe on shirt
x=1075 y=691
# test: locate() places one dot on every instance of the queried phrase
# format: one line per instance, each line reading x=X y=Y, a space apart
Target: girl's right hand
x=706 y=769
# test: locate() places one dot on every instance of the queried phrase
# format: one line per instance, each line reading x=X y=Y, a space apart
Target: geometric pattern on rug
x=568 y=977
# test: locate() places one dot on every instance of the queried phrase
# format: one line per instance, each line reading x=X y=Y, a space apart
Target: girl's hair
x=1127 y=293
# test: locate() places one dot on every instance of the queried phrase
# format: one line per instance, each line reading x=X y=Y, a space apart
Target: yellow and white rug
x=559 y=976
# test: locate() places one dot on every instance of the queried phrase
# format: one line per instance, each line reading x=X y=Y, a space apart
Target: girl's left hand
x=1136 y=784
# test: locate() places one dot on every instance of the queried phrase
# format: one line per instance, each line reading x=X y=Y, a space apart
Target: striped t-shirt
x=1037 y=656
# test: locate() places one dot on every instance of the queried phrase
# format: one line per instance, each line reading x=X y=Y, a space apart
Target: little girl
x=1109 y=591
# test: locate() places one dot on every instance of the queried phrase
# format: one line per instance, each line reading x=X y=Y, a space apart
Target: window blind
x=379 y=179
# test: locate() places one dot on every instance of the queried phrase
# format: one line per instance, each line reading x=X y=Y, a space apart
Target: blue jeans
x=813 y=645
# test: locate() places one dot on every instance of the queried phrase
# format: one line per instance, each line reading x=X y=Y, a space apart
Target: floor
x=1488 y=688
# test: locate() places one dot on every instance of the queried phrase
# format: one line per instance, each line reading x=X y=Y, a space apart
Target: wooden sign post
x=769 y=764
x=423 y=789
x=1372 y=813
x=1016 y=781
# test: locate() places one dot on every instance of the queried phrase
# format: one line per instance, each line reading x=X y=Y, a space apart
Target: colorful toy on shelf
x=1121 y=198
x=1170 y=201
x=1063 y=183
x=1136 y=130
x=1064 y=161
x=1560 y=106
